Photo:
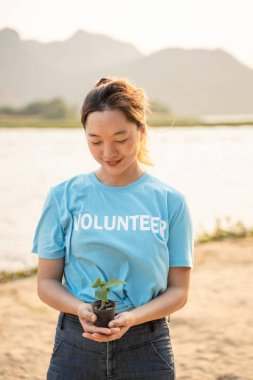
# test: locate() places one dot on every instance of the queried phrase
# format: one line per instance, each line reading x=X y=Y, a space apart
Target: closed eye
x=122 y=141
x=96 y=143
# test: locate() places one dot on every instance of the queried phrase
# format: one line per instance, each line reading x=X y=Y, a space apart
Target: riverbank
x=211 y=336
x=157 y=120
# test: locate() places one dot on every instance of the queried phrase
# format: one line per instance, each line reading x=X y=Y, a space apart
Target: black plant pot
x=103 y=316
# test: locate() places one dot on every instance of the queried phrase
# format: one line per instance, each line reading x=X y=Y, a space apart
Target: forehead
x=108 y=122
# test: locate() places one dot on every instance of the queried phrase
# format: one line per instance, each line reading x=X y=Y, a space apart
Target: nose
x=109 y=152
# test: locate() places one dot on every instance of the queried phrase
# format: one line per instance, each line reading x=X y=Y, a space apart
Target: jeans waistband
x=66 y=318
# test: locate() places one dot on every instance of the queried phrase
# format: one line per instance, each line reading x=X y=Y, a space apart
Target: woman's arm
x=174 y=298
x=50 y=289
x=52 y=292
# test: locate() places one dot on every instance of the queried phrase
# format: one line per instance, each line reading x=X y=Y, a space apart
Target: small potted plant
x=104 y=308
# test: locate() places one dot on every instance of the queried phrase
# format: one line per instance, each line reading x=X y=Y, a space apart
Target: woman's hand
x=87 y=317
x=123 y=321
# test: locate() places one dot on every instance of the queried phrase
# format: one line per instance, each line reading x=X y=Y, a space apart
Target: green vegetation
x=103 y=289
x=232 y=231
x=35 y=122
x=21 y=121
x=168 y=120
x=53 y=109
x=57 y=114
x=162 y=116
x=10 y=276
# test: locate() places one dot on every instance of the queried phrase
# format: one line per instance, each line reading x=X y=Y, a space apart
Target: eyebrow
x=123 y=131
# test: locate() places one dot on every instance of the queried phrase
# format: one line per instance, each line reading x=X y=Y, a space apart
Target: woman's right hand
x=87 y=319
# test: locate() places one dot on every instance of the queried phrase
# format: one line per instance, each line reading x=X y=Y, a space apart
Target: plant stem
x=102 y=305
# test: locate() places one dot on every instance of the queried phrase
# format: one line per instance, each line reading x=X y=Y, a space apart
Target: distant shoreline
x=154 y=121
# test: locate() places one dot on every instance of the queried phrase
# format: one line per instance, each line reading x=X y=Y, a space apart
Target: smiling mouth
x=112 y=163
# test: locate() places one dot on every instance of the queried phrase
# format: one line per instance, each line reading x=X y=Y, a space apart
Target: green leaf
x=114 y=282
x=97 y=283
x=102 y=293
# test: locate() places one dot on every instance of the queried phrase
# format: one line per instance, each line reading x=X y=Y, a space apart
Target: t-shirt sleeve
x=180 y=240
x=49 y=240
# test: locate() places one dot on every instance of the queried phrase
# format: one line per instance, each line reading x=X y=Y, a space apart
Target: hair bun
x=102 y=81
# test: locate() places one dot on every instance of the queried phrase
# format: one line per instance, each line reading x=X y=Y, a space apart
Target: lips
x=113 y=163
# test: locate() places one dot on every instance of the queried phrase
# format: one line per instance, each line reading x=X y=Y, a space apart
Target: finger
x=90 y=316
x=87 y=314
x=118 y=322
x=97 y=337
x=87 y=317
x=101 y=337
x=89 y=327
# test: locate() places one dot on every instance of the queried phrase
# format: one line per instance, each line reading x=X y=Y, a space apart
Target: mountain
x=31 y=69
x=194 y=82
x=190 y=82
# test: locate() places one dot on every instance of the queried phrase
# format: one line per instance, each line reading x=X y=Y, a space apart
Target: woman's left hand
x=123 y=321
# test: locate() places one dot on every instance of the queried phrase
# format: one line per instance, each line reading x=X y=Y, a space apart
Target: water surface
x=211 y=166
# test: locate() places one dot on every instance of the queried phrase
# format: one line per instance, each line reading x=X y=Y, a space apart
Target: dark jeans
x=144 y=352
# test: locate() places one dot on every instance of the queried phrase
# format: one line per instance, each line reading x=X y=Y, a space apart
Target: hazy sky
x=150 y=25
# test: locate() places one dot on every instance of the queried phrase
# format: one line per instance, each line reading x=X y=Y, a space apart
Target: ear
x=142 y=129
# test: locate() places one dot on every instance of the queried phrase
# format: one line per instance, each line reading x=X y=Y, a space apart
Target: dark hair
x=120 y=93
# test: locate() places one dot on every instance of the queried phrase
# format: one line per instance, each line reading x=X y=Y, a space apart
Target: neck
x=123 y=179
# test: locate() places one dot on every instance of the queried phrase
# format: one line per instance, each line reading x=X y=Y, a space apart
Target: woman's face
x=112 y=137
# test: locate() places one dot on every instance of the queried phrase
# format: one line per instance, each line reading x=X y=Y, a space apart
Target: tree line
x=57 y=108
x=53 y=109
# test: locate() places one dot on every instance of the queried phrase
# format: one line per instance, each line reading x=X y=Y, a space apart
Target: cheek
x=94 y=150
x=130 y=148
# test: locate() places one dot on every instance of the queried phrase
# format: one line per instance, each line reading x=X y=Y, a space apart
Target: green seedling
x=104 y=289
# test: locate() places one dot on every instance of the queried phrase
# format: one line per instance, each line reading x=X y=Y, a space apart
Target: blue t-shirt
x=134 y=233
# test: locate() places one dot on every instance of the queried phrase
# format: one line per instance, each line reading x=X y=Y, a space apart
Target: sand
x=211 y=336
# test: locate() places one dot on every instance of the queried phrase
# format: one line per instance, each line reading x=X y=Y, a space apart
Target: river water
x=212 y=166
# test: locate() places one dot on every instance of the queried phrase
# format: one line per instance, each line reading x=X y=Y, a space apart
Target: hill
x=190 y=82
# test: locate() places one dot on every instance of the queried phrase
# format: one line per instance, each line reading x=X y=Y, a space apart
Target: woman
x=118 y=221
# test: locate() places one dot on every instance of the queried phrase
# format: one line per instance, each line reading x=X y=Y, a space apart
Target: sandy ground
x=212 y=336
